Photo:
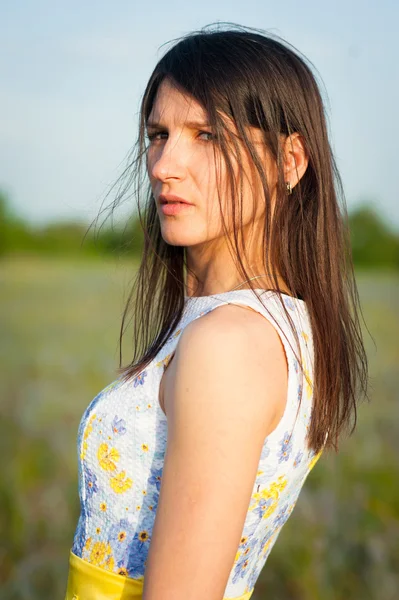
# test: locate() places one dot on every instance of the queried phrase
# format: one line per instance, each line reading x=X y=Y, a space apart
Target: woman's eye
x=206 y=136
x=206 y=133
x=154 y=136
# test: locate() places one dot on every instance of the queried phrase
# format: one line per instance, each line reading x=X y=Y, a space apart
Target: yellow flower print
x=87 y=544
x=101 y=556
x=265 y=502
x=143 y=536
x=103 y=506
x=144 y=447
x=88 y=430
x=305 y=337
x=164 y=362
x=84 y=450
x=267 y=545
x=242 y=551
x=244 y=565
x=315 y=459
x=109 y=563
x=120 y=483
x=308 y=382
x=107 y=457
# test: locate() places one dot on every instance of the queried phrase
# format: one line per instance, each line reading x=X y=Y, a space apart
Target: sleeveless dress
x=121 y=446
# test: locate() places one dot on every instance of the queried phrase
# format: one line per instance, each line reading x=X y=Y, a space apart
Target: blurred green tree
x=374 y=244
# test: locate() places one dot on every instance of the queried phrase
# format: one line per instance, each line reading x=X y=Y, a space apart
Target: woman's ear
x=296 y=158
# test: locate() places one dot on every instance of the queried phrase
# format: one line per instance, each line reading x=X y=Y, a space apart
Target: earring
x=288 y=186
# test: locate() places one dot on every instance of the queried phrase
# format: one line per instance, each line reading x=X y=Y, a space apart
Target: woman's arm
x=226 y=391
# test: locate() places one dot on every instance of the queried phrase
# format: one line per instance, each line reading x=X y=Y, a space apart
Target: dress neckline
x=262 y=291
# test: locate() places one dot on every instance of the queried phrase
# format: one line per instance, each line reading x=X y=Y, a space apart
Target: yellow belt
x=88 y=582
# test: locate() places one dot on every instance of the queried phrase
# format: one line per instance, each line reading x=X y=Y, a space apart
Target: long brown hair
x=259 y=80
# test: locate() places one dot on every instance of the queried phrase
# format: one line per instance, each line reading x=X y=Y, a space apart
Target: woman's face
x=181 y=162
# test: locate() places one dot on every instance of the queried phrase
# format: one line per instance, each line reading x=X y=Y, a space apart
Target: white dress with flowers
x=122 y=442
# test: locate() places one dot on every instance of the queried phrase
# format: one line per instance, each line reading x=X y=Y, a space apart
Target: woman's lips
x=169 y=197
x=174 y=208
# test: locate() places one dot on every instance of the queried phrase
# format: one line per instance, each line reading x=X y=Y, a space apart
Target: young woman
x=248 y=358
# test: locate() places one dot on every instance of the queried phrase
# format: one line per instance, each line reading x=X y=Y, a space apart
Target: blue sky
x=72 y=73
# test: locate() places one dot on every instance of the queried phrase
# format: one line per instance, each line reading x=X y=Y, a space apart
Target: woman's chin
x=175 y=235
x=174 y=239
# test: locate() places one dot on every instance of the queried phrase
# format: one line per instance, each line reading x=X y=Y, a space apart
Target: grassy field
x=60 y=324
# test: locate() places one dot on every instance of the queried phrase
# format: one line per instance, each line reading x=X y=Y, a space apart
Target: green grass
x=60 y=324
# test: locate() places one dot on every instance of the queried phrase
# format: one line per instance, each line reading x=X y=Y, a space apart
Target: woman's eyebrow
x=188 y=124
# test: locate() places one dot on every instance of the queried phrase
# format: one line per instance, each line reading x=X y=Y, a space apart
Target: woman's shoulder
x=232 y=353
x=232 y=321
x=268 y=343
x=285 y=315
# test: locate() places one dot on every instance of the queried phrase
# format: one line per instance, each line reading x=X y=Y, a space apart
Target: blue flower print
x=263 y=505
x=240 y=568
x=118 y=426
x=242 y=565
x=281 y=517
x=91 y=482
x=79 y=537
x=266 y=537
x=138 y=550
x=247 y=537
x=258 y=563
x=296 y=365
x=286 y=447
x=298 y=459
x=156 y=477
x=289 y=303
x=151 y=502
x=120 y=536
x=267 y=543
x=139 y=380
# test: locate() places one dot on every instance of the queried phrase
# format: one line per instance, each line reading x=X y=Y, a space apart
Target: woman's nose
x=168 y=162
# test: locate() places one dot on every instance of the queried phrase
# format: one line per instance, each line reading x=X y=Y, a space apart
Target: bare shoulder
x=238 y=354
x=236 y=322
